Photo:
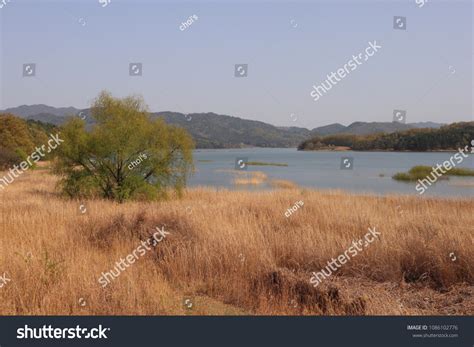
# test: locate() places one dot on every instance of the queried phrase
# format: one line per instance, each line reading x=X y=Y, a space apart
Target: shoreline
x=347 y=149
x=328 y=191
x=377 y=150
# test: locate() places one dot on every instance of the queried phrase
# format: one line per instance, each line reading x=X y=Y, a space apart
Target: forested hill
x=211 y=130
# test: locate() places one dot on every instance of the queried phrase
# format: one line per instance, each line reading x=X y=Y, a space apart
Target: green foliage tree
x=103 y=161
x=15 y=140
x=14 y=133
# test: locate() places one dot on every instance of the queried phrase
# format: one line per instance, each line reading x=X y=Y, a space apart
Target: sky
x=81 y=47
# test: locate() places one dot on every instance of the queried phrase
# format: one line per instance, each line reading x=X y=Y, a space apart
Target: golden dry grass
x=234 y=252
x=283 y=184
x=249 y=177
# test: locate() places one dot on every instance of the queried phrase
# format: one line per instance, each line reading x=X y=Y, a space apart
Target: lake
x=371 y=171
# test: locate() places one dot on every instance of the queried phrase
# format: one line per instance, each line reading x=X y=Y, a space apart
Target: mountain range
x=211 y=130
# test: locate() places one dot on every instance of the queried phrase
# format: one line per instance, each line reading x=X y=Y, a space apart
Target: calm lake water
x=322 y=170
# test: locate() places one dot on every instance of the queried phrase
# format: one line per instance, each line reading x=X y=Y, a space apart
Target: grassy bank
x=234 y=252
x=262 y=163
x=420 y=172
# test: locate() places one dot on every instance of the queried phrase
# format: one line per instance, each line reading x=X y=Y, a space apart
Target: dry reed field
x=234 y=253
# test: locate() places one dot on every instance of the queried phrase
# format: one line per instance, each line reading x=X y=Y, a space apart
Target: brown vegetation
x=234 y=252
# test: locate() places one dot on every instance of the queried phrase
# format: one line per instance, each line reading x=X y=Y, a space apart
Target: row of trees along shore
x=448 y=137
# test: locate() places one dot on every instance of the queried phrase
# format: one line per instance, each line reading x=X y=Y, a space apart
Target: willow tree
x=125 y=155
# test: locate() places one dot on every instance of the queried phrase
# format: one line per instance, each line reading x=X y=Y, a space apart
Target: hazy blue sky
x=81 y=48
